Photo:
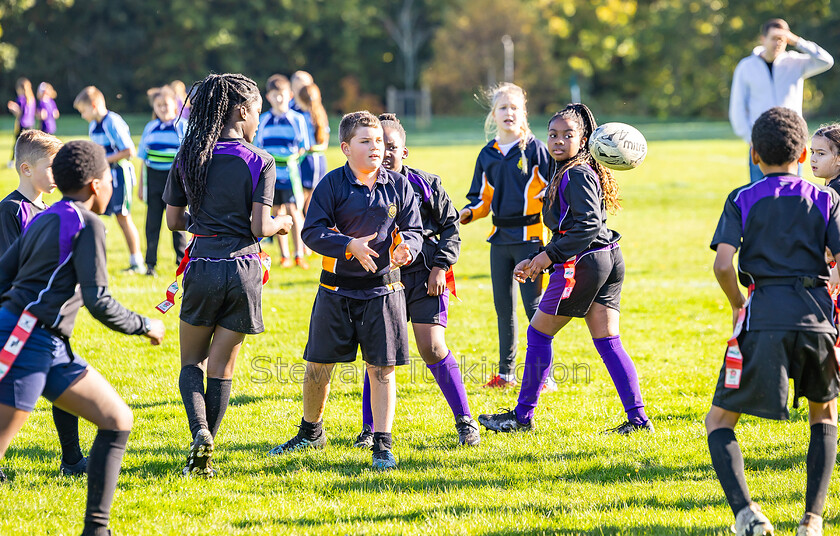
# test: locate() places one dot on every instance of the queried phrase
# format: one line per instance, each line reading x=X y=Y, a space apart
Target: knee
x=120 y=417
x=433 y=352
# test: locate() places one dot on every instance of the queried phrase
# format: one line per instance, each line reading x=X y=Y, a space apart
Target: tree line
x=657 y=58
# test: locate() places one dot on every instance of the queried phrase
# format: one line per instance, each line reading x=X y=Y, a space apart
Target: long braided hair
x=212 y=102
x=578 y=114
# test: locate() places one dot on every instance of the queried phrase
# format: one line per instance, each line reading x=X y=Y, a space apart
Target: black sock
x=104 y=462
x=67 y=426
x=381 y=441
x=191 y=384
x=729 y=466
x=822 y=454
x=311 y=430
x=216 y=398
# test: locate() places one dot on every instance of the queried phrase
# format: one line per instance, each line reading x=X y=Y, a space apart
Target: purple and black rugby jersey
x=239 y=174
x=57 y=265
x=782 y=225
x=27 y=112
x=16 y=212
x=578 y=216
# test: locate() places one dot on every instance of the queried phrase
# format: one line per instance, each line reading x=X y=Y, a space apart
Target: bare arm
x=727 y=277
x=262 y=224
x=177 y=218
x=125 y=153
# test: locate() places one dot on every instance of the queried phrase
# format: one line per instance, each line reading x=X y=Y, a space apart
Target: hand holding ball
x=618 y=146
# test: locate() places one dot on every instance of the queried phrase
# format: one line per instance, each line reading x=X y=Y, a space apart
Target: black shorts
x=340 y=325
x=224 y=292
x=597 y=277
x=422 y=308
x=773 y=358
x=281 y=197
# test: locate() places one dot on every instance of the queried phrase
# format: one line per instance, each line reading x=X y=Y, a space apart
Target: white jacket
x=754 y=91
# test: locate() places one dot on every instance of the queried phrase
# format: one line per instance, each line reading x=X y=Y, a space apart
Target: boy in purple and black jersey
x=364 y=219
x=784 y=330
x=56 y=266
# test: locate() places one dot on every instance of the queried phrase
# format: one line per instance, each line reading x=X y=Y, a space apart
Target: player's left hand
x=537 y=266
x=437 y=281
x=400 y=256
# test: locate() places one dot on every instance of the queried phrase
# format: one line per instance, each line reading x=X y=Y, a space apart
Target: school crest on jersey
x=392 y=210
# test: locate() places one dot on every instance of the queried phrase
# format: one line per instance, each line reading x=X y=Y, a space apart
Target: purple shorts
x=595 y=276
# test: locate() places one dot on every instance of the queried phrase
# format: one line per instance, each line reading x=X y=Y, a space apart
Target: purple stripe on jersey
x=70 y=223
x=24 y=214
x=564 y=207
x=782 y=186
x=254 y=161
x=418 y=181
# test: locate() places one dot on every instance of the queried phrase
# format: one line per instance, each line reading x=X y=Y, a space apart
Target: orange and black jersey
x=511 y=186
x=342 y=208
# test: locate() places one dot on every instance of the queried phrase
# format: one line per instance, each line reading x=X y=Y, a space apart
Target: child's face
x=509 y=114
x=395 y=150
x=104 y=192
x=165 y=108
x=251 y=119
x=278 y=100
x=365 y=149
x=824 y=162
x=564 y=139
x=87 y=111
x=40 y=174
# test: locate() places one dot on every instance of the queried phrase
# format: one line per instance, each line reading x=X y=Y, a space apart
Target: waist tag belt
x=359 y=283
x=516 y=221
x=792 y=281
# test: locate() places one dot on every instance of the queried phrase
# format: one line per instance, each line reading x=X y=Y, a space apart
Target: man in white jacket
x=772 y=76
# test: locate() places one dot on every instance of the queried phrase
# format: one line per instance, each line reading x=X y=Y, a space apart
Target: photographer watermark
x=276 y=369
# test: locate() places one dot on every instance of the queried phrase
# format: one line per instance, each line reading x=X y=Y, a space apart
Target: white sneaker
x=811 y=525
x=751 y=522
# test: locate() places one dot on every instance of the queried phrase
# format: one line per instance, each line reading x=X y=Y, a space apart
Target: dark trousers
x=155 y=183
x=503 y=258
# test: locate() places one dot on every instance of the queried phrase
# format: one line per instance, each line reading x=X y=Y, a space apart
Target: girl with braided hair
x=228 y=184
x=588 y=273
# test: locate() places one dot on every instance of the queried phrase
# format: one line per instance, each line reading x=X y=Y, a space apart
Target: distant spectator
x=772 y=76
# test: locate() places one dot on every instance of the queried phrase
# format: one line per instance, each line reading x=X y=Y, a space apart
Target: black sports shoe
x=300 y=443
x=75 y=469
x=628 y=427
x=384 y=460
x=2 y=476
x=365 y=438
x=504 y=422
x=198 y=460
x=151 y=272
x=467 y=431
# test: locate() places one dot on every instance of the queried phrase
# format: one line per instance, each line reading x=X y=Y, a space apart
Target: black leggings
x=155 y=183
x=503 y=258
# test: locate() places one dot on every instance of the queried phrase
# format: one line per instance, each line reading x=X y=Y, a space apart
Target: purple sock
x=367 y=411
x=448 y=376
x=537 y=368
x=623 y=374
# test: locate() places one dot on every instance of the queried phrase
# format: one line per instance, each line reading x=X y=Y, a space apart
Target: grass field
x=564 y=478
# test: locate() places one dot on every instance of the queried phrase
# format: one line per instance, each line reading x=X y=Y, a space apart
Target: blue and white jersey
x=282 y=136
x=160 y=143
x=112 y=133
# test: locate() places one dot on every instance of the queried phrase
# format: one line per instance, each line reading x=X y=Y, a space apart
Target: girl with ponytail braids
x=587 y=278
x=228 y=184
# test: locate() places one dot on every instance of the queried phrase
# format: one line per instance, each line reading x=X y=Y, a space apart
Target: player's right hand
x=155 y=333
x=285 y=222
x=358 y=248
x=465 y=216
x=519 y=271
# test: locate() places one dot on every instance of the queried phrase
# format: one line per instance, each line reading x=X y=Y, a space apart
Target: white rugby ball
x=618 y=146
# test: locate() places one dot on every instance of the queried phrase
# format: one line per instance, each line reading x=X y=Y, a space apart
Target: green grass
x=564 y=478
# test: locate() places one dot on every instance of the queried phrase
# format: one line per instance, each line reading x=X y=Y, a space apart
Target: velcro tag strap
x=450 y=282
x=169 y=302
x=265 y=260
x=516 y=221
x=569 y=276
x=17 y=339
x=734 y=361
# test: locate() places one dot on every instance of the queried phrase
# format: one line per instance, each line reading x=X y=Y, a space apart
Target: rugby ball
x=618 y=146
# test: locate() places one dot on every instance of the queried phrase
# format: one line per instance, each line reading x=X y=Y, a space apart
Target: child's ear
x=405 y=153
x=25 y=169
x=803 y=156
x=754 y=155
x=345 y=148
